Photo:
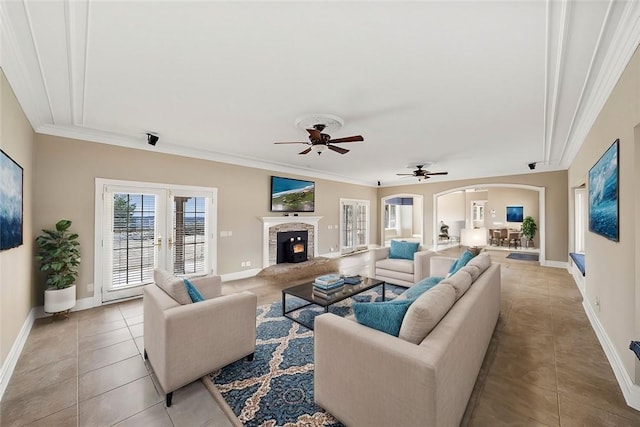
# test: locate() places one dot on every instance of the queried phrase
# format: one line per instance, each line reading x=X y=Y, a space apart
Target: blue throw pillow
x=460 y=262
x=384 y=316
x=193 y=292
x=403 y=250
x=422 y=286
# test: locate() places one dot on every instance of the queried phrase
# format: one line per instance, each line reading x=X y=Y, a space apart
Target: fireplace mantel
x=271 y=221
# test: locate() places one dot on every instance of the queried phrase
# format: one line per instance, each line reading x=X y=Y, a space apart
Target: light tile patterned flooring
x=544 y=366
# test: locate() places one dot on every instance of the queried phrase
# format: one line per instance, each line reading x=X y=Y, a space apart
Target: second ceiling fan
x=319 y=141
x=422 y=173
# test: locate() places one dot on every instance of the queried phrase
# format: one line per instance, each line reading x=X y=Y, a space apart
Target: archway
x=541 y=210
x=412 y=209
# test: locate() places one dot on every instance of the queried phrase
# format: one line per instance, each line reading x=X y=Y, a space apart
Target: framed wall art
x=603 y=194
x=11 y=180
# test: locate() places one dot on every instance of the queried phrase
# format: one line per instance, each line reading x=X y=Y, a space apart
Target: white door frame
x=100 y=183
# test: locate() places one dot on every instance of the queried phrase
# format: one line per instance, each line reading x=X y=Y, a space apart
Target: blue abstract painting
x=10 y=202
x=603 y=195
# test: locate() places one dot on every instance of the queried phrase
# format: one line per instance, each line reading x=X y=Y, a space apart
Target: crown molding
x=111 y=138
x=623 y=45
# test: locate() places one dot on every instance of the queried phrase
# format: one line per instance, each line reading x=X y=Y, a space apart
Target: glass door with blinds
x=354 y=225
x=146 y=226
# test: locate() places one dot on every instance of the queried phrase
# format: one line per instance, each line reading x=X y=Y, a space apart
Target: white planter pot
x=57 y=300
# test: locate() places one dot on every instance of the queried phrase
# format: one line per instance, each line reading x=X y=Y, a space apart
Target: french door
x=144 y=226
x=354 y=225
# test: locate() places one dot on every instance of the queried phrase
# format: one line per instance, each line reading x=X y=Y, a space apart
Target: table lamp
x=474 y=238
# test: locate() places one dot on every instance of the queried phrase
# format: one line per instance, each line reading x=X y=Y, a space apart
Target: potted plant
x=59 y=256
x=529 y=229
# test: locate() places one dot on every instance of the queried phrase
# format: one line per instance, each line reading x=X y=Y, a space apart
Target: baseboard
x=577 y=277
x=554 y=264
x=244 y=274
x=14 y=354
x=630 y=391
x=81 y=304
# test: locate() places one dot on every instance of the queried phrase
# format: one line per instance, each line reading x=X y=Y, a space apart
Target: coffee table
x=305 y=292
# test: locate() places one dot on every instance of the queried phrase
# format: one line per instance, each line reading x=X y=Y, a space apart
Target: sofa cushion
x=192 y=291
x=384 y=316
x=400 y=265
x=403 y=250
x=172 y=285
x=460 y=262
x=473 y=270
x=482 y=261
x=426 y=311
x=421 y=287
x=461 y=281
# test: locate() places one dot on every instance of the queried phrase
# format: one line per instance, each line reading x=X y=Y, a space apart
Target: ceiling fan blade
x=404 y=174
x=296 y=142
x=437 y=173
x=337 y=149
x=305 y=151
x=356 y=138
x=314 y=134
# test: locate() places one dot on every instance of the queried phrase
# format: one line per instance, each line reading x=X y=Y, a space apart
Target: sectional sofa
x=365 y=377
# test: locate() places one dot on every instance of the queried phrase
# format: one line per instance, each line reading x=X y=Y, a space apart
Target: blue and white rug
x=276 y=388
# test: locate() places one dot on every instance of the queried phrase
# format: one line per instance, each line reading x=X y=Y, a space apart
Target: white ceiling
x=479 y=88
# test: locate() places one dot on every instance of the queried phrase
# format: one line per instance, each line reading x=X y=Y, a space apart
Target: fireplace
x=272 y=225
x=291 y=246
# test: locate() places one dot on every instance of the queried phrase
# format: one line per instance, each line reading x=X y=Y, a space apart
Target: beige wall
x=66 y=170
x=613 y=267
x=16 y=265
x=555 y=184
x=500 y=198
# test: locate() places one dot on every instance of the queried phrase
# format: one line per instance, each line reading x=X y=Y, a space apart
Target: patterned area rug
x=276 y=388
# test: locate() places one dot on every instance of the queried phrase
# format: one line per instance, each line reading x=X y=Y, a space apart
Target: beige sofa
x=402 y=272
x=184 y=341
x=365 y=377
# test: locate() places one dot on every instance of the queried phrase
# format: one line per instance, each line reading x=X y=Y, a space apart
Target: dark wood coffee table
x=305 y=292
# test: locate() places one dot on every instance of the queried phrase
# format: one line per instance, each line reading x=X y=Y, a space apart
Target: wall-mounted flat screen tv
x=292 y=195
x=515 y=213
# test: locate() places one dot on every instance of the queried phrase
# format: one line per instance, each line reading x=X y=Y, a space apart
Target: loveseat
x=365 y=377
x=399 y=271
x=184 y=341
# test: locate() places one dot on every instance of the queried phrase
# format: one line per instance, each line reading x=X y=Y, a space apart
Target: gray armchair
x=184 y=341
x=403 y=272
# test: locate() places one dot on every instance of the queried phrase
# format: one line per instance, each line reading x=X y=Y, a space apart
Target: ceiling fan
x=422 y=173
x=319 y=141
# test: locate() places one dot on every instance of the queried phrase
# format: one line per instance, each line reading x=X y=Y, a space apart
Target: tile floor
x=544 y=365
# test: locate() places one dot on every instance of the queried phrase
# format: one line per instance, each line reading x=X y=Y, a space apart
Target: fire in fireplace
x=292 y=246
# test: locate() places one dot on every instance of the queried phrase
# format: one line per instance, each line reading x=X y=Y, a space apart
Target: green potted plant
x=529 y=229
x=59 y=256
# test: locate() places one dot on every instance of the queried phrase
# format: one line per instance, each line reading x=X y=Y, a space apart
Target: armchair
x=184 y=341
x=402 y=272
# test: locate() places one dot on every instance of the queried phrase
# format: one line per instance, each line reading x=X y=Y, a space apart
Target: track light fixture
x=152 y=139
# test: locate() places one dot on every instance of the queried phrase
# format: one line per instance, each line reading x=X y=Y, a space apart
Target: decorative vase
x=58 y=300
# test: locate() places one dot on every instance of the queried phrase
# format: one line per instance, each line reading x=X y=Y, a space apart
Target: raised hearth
x=272 y=225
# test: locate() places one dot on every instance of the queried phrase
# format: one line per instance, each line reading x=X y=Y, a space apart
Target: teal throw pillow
x=193 y=292
x=460 y=262
x=422 y=286
x=403 y=250
x=384 y=316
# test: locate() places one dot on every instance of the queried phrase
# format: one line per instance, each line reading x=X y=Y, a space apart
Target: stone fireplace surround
x=272 y=225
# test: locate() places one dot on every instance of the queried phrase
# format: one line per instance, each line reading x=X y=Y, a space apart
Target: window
x=580 y=218
x=390 y=216
x=477 y=211
x=354 y=224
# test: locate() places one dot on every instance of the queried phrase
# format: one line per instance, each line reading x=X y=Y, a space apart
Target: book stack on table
x=328 y=285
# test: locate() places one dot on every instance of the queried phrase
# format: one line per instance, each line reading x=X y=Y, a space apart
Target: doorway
x=402 y=218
